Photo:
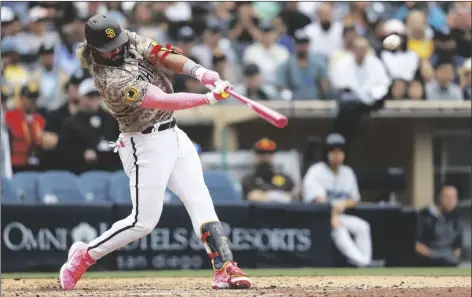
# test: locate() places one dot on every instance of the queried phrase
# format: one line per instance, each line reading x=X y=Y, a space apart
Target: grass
x=263 y=272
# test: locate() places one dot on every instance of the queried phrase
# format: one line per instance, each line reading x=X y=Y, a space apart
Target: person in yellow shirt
x=418 y=39
x=12 y=71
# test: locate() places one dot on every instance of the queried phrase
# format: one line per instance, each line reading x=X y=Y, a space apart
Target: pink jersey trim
x=157 y=99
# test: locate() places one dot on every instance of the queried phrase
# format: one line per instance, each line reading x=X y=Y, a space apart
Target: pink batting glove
x=209 y=79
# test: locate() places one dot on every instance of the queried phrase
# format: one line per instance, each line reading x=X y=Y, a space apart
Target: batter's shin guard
x=216 y=244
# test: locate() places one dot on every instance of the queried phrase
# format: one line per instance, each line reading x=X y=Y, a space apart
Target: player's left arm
x=172 y=58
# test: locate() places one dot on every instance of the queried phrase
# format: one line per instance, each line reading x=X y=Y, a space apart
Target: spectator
x=362 y=84
x=56 y=118
x=253 y=87
x=433 y=13
x=293 y=18
x=10 y=23
x=439 y=231
x=398 y=90
x=186 y=39
x=419 y=34
x=223 y=15
x=265 y=184
x=325 y=33
x=349 y=36
x=49 y=79
x=465 y=79
x=5 y=158
x=221 y=65
x=304 y=74
x=415 y=91
x=330 y=181
x=26 y=128
x=443 y=88
x=243 y=29
x=460 y=24
x=72 y=32
x=148 y=22
x=266 y=54
x=13 y=72
x=445 y=49
x=359 y=18
x=88 y=131
x=37 y=33
x=213 y=41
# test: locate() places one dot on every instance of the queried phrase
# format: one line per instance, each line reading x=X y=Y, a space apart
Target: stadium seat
x=9 y=192
x=118 y=190
x=59 y=187
x=94 y=186
x=26 y=184
x=221 y=186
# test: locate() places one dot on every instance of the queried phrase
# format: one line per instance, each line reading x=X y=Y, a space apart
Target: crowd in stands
x=268 y=50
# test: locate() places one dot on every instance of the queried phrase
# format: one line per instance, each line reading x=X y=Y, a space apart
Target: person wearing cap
x=91 y=128
x=37 y=33
x=55 y=119
x=303 y=76
x=330 y=181
x=26 y=128
x=265 y=183
x=186 y=39
x=10 y=23
x=266 y=53
x=252 y=86
x=212 y=41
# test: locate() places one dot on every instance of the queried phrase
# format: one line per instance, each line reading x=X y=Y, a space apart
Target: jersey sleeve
x=141 y=43
x=312 y=187
x=120 y=87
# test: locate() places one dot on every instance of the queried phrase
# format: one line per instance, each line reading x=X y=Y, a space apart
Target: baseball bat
x=268 y=114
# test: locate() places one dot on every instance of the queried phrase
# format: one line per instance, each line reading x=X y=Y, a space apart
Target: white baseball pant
x=152 y=162
x=359 y=250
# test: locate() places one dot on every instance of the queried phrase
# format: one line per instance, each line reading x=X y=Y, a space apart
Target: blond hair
x=84 y=54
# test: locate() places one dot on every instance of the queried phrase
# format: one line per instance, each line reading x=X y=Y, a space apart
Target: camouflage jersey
x=124 y=87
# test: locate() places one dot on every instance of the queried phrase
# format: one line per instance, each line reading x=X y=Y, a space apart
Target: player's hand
x=339 y=207
x=218 y=92
x=210 y=78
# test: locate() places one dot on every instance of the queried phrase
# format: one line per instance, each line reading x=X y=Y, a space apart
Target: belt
x=161 y=127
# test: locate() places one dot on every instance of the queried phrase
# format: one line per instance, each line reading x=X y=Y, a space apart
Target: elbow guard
x=166 y=49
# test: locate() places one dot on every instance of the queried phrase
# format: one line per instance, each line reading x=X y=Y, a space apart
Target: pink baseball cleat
x=231 y=277
x=77 y=263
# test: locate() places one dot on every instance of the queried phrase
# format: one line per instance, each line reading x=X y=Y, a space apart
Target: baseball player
x=330 y=181
x=128 y=72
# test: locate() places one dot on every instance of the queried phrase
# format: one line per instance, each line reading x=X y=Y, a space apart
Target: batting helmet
x=104 y=33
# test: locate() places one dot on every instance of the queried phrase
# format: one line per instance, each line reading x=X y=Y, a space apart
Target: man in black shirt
x=86 y=134
x=265 y=184
x=56 y=118
x=439 y=234
x=293 y=18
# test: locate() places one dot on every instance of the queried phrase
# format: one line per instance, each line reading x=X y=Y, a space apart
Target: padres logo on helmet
x=110 y=33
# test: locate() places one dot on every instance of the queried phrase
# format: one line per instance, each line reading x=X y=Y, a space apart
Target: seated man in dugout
x=265 y=183
x=439 y=233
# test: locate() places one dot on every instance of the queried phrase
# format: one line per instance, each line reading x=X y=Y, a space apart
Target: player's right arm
x=128 y=90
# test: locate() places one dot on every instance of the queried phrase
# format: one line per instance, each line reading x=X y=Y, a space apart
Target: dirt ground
x=335 y=286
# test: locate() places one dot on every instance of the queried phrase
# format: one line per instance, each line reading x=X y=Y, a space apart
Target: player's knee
x=146 y=226
x=363 y=227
